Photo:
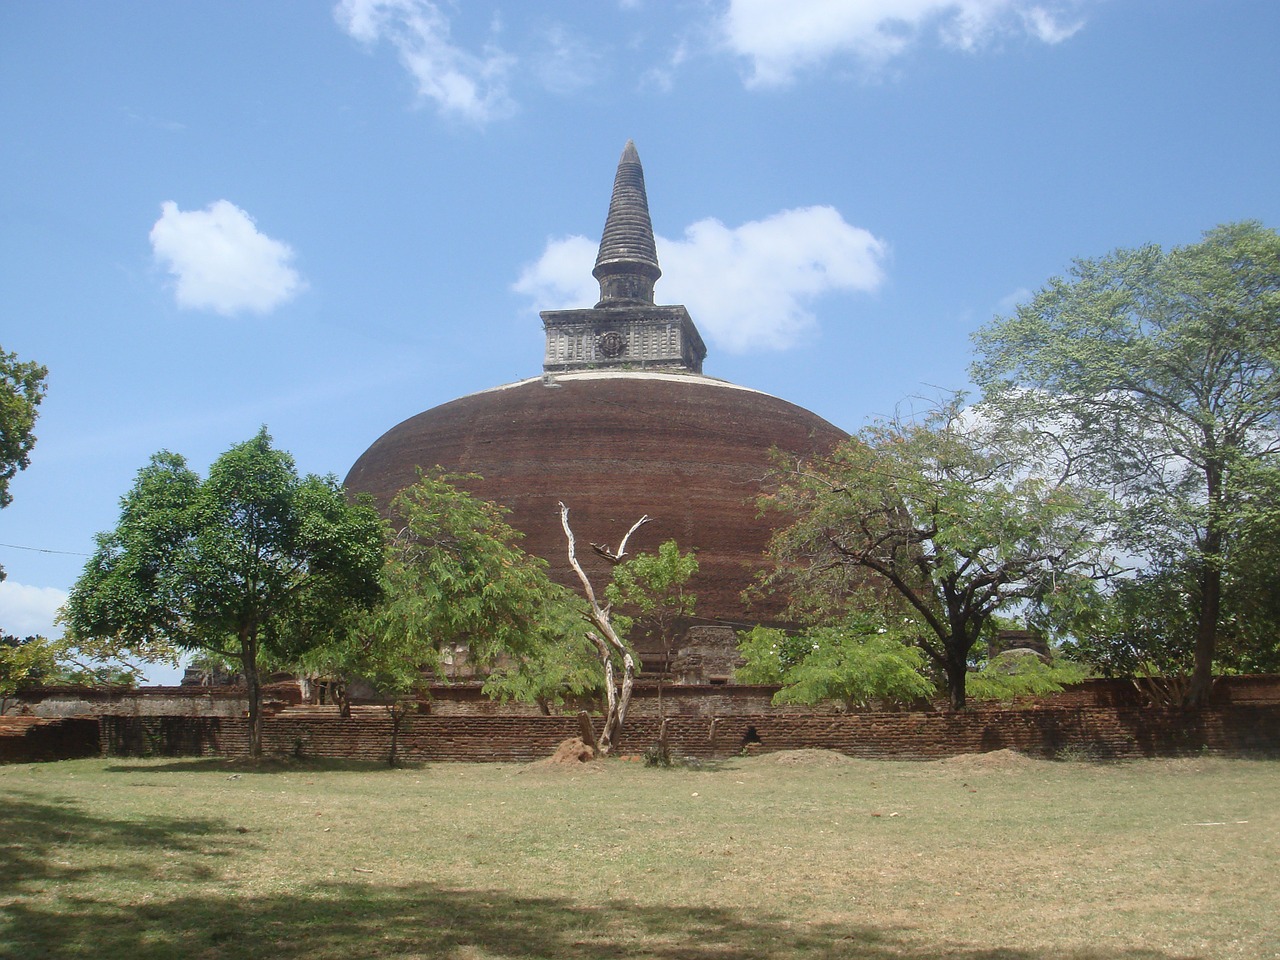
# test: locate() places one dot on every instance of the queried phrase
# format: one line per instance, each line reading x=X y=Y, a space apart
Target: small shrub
x=657 y=755
x=1076 y=753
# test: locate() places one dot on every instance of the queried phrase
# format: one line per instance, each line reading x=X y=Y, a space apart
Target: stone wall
x=466 y=699
x=1098 y=732
x=188 y=701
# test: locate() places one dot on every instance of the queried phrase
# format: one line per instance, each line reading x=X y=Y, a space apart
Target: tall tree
x=250 y=561
x=22 y=387
x=1160 y=372
x=938 y=522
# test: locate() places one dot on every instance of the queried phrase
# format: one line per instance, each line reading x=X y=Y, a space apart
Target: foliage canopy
x=22 y=387
x=853 y=663
x=1159 y=371
x=939 y=523
x=251 y=561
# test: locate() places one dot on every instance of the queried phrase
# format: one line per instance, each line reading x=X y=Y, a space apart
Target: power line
x=65 y=553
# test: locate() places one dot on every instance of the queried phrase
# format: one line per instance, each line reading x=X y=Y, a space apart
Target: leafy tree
x=1145 y=628
x=652 y=589
x=25 y=662
x=457 y=577
x=252 y=561
x=941 y=522
x=456 y=583
x=561 y=665
x=22 y=387
x=1160 y=373
x=40 y=661
x=1008 y=676
x=853 y=663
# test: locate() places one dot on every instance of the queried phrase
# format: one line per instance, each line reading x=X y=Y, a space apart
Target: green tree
x=25 y=662
x=854 y=663
x=250 y=562
x=1015 y=674
x=456 y=585
x=939 y=522
x=560 y=666
x=22 y=387
x=1160 y=372
x=457 y=581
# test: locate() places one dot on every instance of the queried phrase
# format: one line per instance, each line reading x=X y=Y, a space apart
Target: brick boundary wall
x=1096 y=732
x=33 y=739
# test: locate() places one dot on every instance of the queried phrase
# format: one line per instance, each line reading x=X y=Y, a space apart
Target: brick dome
x=687 y=450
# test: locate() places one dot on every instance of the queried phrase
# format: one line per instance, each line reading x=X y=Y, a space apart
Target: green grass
x=821 y=858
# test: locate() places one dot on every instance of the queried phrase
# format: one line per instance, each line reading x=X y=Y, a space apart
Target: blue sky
x=328 y=217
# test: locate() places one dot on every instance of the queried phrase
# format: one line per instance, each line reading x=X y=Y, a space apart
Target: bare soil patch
x=993 y=760
x=805 y=758
x=573 y=755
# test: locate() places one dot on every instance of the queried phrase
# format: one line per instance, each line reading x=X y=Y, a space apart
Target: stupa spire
x=627 y=264
x=626 y=330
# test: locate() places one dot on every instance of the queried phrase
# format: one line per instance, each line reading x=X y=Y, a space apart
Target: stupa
x=621 y=423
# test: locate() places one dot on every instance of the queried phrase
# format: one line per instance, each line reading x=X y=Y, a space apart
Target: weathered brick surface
x=1102 y=732
x=27 y=739
x=687 y=451
x=78 y=701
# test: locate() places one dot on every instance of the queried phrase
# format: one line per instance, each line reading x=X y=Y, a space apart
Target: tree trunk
x=396 y=716
x=249 y=662
x=617 y=696
x=587 y=731
x=1206 y=635
x=1210 y=587
x=956 y=669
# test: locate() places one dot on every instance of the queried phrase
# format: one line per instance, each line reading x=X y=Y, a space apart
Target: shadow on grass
x=52 y=906
x=425 y=921
x=245 y=765
x=40 y=843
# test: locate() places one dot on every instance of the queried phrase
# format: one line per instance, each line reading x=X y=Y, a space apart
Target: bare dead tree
x=609 y=645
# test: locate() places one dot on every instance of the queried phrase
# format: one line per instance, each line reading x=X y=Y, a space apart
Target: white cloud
x=747 y=288
x=1011 y=301
x=221 y=262
x=780 y=39
x=459 y=82
x=561 y=278
x=26 y=611
x=565 y=62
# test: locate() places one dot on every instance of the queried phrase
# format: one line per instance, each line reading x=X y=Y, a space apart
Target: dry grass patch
x=807 y=855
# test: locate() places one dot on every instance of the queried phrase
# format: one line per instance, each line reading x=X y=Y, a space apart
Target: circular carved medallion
x=612 y=344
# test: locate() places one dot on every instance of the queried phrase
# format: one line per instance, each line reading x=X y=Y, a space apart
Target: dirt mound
x=994 y=760
x=572 y=754
x=811 y=757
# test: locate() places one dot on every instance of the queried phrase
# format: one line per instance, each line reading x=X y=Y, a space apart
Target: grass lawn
x=781 y=856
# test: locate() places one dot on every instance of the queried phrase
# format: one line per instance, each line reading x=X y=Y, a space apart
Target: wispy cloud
x=780 y=40
x=750 y=287
x=221 y=262
x=472 y=86
x=564 y=61
x=1011 y=301
x=27 y=611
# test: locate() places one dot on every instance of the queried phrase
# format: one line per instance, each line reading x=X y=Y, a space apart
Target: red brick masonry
x=1102 y=732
